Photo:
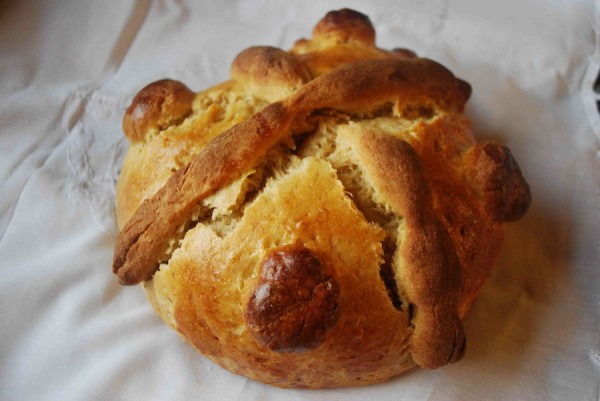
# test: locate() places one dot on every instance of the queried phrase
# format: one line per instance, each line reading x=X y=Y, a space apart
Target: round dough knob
x=295 y=301
x=346 y=26
x=157 y=106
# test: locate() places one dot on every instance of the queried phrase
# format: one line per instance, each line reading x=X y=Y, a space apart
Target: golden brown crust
x=368 y=84
x=427 y=262
x=146 y=235
x=364 y=84
x=269 y=72
x=476 y=237
x=156 y=106
x=497 y=179
x=343 y=26
x=211 y=277
x=149 y=164
x=333 y=237
x=295 y=301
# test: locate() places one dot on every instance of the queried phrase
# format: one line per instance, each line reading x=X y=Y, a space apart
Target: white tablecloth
x=67 y=72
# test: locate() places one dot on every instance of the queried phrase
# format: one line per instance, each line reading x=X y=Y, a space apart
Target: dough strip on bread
x=427 y=267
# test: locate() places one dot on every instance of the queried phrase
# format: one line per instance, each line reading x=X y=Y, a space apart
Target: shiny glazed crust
x=324 y=218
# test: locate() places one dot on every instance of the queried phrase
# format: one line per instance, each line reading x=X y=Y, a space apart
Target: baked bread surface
x=324 y=218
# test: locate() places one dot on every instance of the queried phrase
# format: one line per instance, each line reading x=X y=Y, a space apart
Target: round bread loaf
x=323 y=218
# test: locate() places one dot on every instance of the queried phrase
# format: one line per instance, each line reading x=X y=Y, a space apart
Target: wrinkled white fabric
x=67 y=72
